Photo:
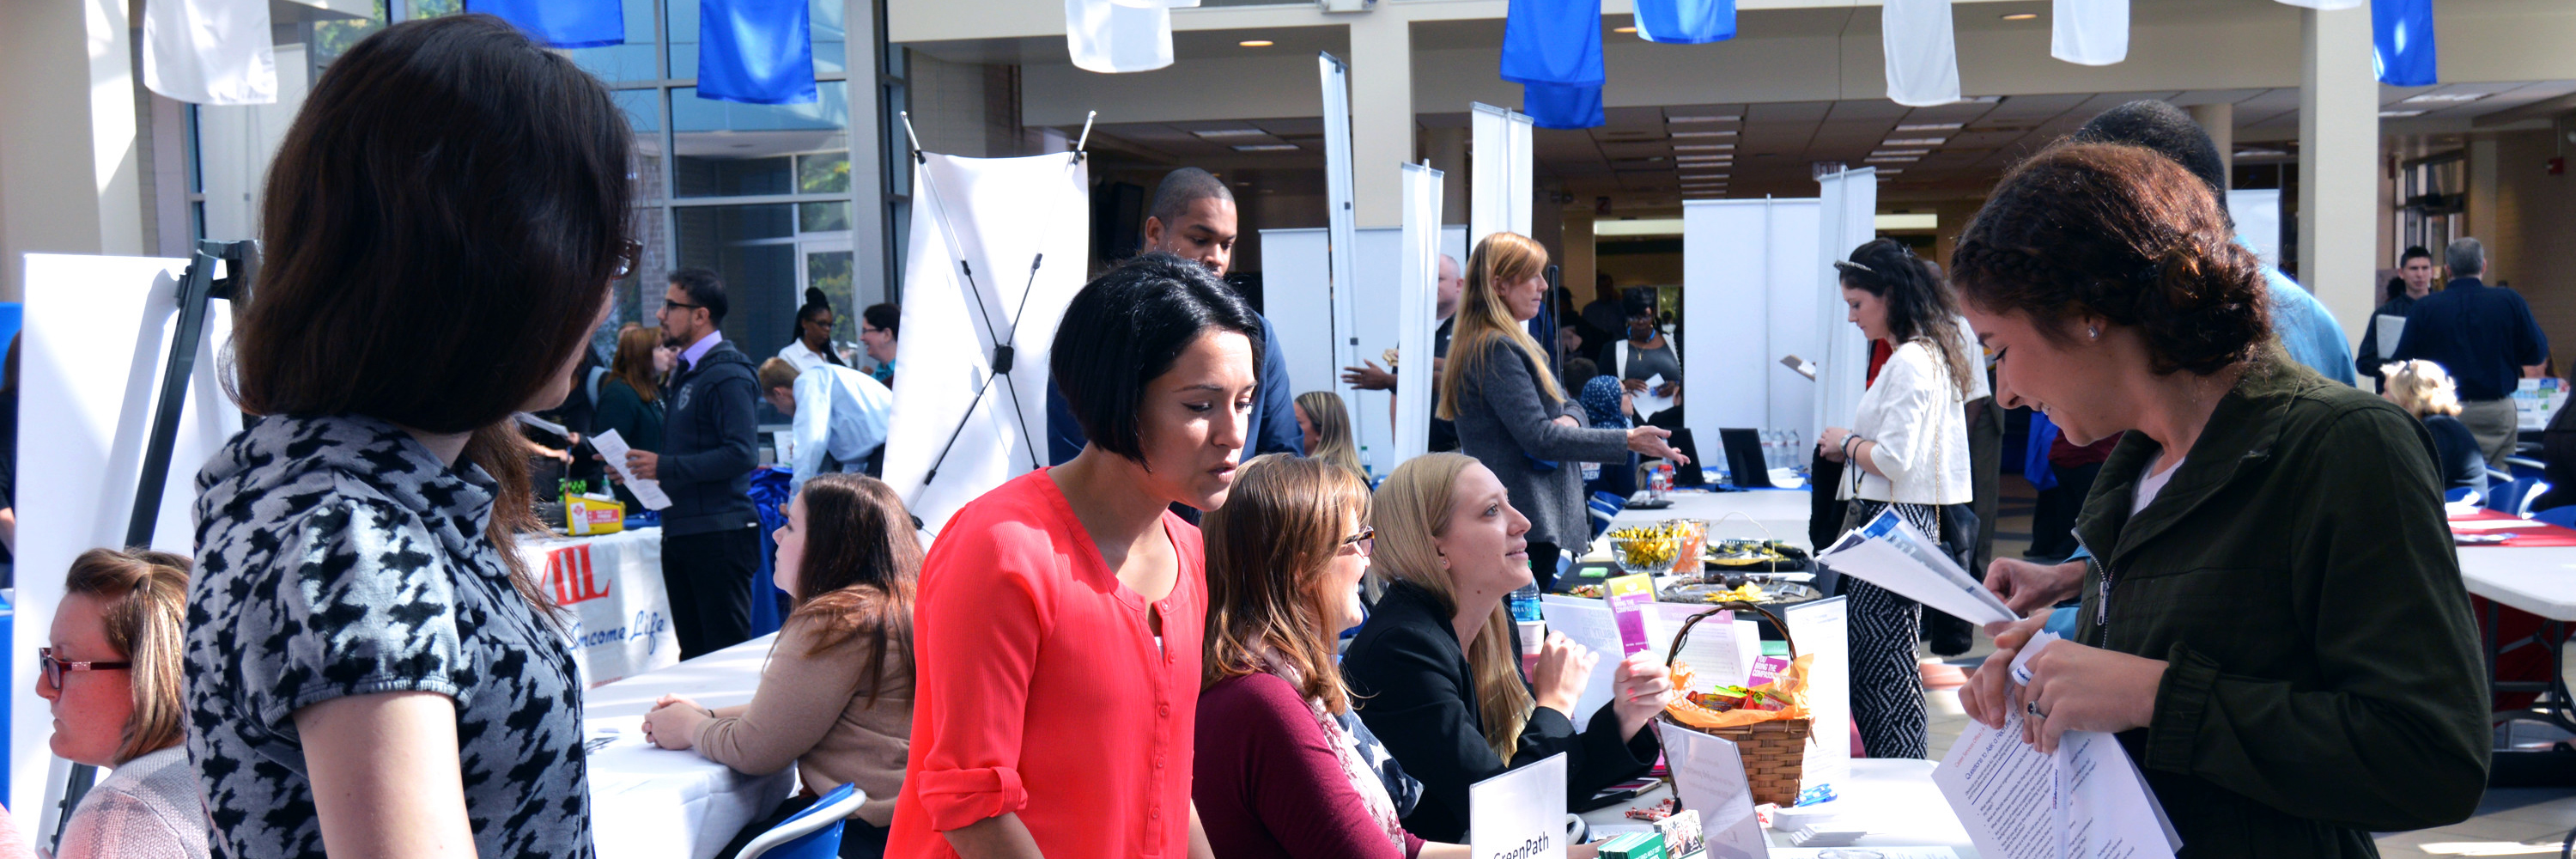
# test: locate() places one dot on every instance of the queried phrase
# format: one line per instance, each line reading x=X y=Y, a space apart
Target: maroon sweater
x=1267 y=782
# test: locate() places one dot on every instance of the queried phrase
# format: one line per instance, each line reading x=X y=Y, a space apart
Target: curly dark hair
x=2124 y=234
x=1919 y=307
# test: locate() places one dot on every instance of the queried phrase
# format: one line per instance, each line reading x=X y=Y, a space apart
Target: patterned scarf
x=1344 y=732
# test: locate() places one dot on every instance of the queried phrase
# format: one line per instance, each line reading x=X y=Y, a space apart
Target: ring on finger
x=2032 y=707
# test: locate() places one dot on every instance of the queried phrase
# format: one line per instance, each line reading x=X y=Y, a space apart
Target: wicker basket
x=1775 y=752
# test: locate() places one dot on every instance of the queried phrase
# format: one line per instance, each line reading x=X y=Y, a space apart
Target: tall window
x=761 y=194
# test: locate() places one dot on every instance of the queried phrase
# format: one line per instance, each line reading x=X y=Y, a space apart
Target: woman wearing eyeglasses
x=112 y=678
x=1284 y=767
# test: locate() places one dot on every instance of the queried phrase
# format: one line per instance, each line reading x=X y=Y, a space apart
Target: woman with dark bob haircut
x=2272 y=618
x=1056 y=637
x=370 y=665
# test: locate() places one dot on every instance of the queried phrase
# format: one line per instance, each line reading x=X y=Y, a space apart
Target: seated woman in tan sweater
x=836 y=698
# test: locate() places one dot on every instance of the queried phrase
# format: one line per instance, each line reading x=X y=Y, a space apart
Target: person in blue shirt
x=2302 y=323
x=838 y=416
x=2485 y=336
x=1194 y=219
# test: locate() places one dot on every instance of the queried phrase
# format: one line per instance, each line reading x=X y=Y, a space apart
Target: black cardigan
x=1411 y=685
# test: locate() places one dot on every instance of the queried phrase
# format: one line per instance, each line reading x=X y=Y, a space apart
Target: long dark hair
x=1919 y=306
x=861 y=564
x=2127 y=235
x=441 y=225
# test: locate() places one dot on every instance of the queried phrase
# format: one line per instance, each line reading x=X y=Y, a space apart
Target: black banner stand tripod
x=197 y=288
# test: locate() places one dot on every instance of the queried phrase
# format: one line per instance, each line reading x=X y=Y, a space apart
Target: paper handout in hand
x=1628 y=597
x=1891 y=553
x=2087 y=801
x=613 y=448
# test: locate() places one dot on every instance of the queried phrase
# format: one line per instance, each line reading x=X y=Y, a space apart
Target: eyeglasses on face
x=54 y=668
x=1365 y=541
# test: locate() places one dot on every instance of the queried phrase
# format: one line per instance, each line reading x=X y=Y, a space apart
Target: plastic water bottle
x=1368 y=466
x=1532 y=626
x=1525 y=604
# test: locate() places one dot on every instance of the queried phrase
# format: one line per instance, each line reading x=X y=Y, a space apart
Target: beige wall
x=68 y=165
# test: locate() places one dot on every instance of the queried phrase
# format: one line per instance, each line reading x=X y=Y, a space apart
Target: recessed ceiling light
x=2021 y=16
x=1892 y=152
x=1216 y=133
x=2399 y=114
x=1703 y=134
x=1623 y=29
x=1884 y=171
x=1708 y=118
x=1914 y=141
x=2445 y=97
x=1265 y=147
x=1909 y=159
x=1929 y=126
x=1706 y=176
x=1702 y=147
x=1720 y=147
x=1256 y=43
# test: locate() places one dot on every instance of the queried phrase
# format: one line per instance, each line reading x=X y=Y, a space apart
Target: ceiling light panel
x=1909 y=159
x=2399 y=114
x=1256 y=43
x=2445 y=97
x=1222 y=133
x=1709 y=118
x=1702 y=147
x=1929 y=126
x=1265 y=147
x=1885 y=153
x=1901 y=142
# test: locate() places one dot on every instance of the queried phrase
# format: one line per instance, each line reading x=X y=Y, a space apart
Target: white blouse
x=1916 y=416
x=802 y=358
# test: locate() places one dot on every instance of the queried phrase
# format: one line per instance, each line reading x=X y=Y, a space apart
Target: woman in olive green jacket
x=2274 y=622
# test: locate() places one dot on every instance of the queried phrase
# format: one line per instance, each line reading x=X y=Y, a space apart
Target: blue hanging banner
x=2401 y=42
x=1559 y=106
x=561 y=23
x=1685 y=22
x=1553 y=42
x=756 y=51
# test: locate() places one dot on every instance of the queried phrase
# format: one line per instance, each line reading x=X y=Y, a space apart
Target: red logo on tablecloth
x=568 y=570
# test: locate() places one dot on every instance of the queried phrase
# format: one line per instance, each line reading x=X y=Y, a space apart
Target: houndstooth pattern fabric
x=1886 y=682
x=337 y=557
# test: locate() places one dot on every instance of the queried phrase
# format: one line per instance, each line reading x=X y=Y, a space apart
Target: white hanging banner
x=998 y=249
x=1498 y=194
x=1417 y=302
x=1848 y=218
x=1922 y=56
x=1750 y=267
x=1111 y=38
x=2324 y=5
x=209 y=51
x=2089 y=32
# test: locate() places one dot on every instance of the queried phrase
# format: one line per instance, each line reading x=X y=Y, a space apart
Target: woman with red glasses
x=111 y=675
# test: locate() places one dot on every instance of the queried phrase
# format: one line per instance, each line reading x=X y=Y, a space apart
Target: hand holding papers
x=1891 y=553
x=2087 y=801
x=1647 y=403
x=613 y=449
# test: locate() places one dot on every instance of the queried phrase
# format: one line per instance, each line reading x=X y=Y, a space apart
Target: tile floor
x=2509 y=821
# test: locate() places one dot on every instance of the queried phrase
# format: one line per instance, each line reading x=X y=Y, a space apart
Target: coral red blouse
x=1040 y=688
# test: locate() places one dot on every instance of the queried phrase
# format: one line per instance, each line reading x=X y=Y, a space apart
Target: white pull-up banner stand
x=1296 y=290
x=1340 y=229
x=1750 y=267
x=1847 y=217
x=1499 y=195
x=96 y=342
x=1417 y=302
x=998 y=249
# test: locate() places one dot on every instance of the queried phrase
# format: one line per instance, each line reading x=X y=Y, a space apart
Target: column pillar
x=2484 y=201
x=2219 y=121
x=1446 y=149
x=1381 y=118
x=2338 y=148
x=1575 y=271
x=69 y=178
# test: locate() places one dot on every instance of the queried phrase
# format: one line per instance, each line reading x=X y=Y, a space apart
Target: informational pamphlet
x=613 y=449
x=1628 y=598
x=1708 y=776
x=2087 y=801
x=1891 y=553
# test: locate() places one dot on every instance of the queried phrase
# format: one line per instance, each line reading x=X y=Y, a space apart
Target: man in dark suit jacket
x=2486 y=337
x=710 y=533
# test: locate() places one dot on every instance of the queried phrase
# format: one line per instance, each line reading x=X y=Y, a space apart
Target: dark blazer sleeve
x=1278 y=432
x=735 y=451
x=1413 y=697
x=2367 y=359
x=2530 y=344
x=1505 y=385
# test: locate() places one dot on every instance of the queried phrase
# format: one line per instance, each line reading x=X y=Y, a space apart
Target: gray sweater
x=1505 y=422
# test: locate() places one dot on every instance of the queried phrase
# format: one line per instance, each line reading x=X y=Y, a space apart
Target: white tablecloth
x=621 y=617
x=1894 y=799
x=1784 y=512
x=652 y=803
x=2537 y=579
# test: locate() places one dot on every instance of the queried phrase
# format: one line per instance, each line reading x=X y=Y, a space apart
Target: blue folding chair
x=2463 y=493
x=814 y=833
x=2515 y=496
